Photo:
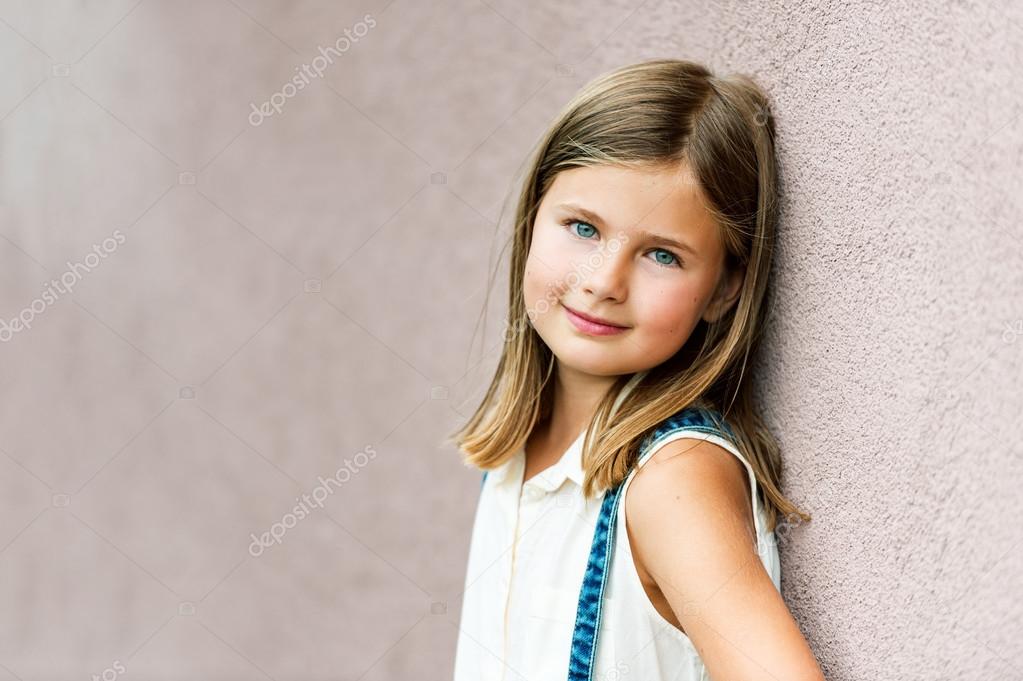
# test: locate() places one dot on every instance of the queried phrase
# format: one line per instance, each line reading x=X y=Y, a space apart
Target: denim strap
x=591 y=595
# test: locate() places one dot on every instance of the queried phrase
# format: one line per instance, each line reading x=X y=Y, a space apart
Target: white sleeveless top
x=530 y=544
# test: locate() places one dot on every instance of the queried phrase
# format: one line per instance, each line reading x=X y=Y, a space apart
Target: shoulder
x=690 y=500
x=691 y=531
x=686 y=470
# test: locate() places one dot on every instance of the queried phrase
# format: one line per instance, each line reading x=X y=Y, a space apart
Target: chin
x=604 y=362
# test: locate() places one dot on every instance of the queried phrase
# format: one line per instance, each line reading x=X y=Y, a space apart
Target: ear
x=726 y=294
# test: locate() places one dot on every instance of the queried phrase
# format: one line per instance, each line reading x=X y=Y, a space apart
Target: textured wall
x=224 y=308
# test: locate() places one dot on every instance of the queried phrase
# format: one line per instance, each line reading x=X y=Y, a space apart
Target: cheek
x=532 y=283
x=669 y=312
x=545 y=274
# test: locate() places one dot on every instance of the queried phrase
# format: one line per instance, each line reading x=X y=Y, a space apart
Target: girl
x=642 y=246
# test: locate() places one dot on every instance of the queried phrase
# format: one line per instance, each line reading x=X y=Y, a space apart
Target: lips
x=594 y=319
x=591 y=325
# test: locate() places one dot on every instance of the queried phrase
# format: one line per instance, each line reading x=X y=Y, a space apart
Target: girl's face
x=633 y=248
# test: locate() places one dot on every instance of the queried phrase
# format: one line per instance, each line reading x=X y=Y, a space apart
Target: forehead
x=665 y=201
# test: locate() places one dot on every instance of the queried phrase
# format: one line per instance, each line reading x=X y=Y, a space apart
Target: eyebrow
x=649 y=236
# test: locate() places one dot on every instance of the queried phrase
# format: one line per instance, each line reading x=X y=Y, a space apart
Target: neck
x=576 y=396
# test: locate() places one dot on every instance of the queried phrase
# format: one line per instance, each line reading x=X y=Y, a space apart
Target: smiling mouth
x=590 y=325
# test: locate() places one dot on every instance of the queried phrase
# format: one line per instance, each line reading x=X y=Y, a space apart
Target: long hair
x=657 y=113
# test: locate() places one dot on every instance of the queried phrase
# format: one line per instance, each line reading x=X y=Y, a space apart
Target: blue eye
x=672 y=260
x=662 y=257
x=586 y=226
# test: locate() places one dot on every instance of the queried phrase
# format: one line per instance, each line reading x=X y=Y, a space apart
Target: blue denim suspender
x=588 y=612
x=591 y=595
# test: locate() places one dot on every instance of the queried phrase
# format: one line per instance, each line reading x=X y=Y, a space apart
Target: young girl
x=641 y=252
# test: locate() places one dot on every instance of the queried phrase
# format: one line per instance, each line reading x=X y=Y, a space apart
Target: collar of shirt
x=569 y=466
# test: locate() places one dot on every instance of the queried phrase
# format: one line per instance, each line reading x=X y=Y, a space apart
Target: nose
x=605 y=275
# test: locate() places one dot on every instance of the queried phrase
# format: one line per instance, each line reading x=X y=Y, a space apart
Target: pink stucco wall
x=282 y=298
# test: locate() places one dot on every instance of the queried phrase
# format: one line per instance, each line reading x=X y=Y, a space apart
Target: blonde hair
x=657 y=113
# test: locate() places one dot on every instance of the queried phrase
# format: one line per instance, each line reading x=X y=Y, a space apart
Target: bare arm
x=689 y=514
